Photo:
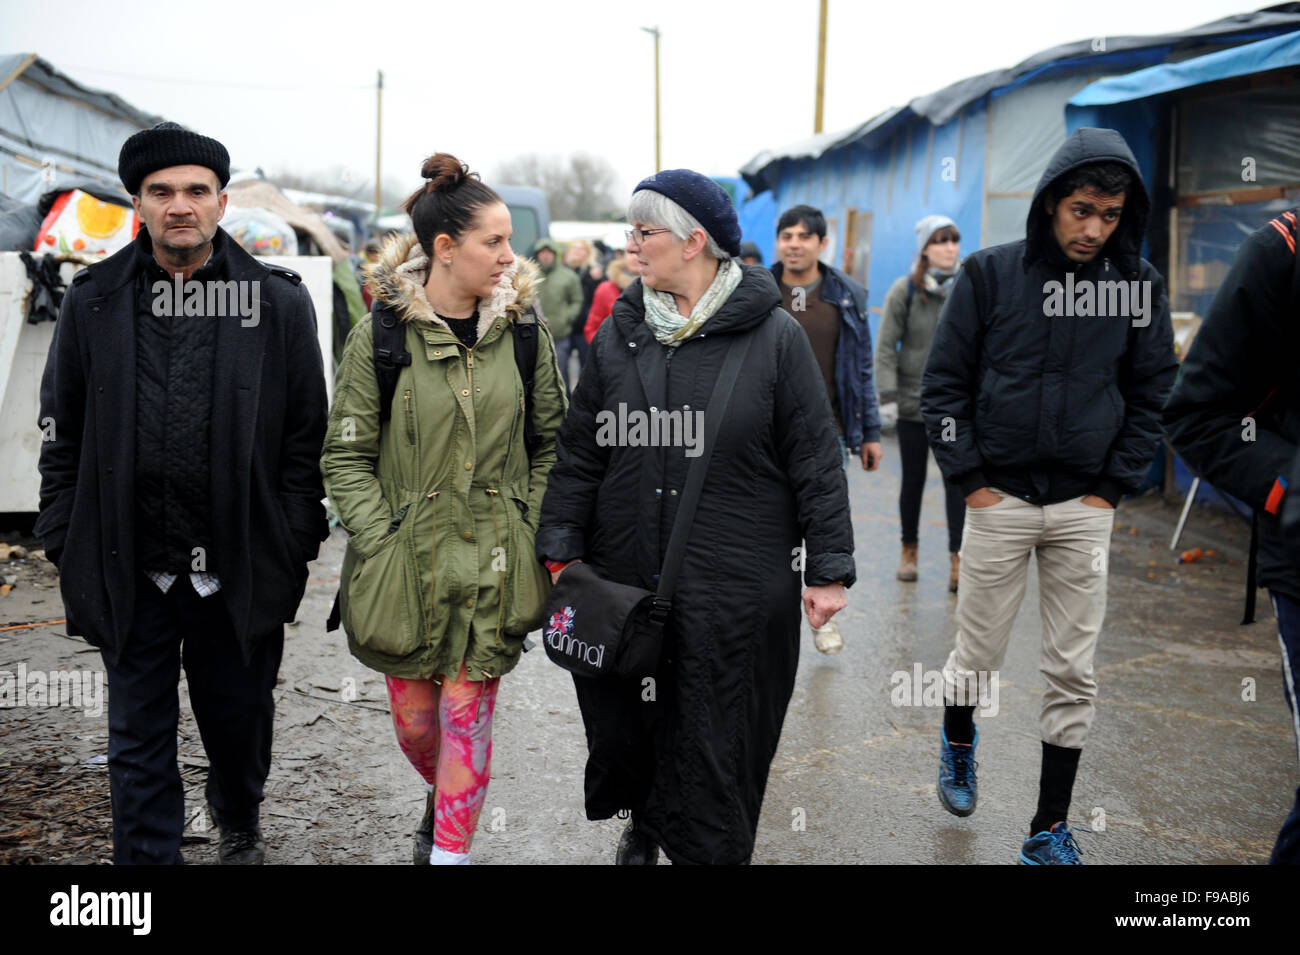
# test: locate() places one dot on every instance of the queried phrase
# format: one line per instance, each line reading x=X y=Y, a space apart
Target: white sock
x=438 y=856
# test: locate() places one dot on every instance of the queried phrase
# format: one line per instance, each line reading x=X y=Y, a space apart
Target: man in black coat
x=1234 y=416
x=1041 y=397
x=183 y=406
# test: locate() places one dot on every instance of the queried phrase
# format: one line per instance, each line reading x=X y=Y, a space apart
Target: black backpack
x=390 y=356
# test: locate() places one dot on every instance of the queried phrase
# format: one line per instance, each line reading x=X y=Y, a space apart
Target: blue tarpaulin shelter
x=974 y=150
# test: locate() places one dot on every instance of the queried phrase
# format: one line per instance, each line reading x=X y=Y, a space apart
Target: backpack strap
x=525 y=336
x=390 y=355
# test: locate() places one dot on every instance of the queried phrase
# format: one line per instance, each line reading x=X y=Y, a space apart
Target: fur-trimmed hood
x=397 y=280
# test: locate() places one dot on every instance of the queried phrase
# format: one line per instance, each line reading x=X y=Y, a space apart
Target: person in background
x=560 y=300
x=581 y=257
x=622 y=272
x=832 y=309
x=750 y=253
x=370 y=254
x=911 y=313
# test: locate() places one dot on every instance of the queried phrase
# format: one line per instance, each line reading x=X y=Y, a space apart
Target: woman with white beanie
x=911 y=313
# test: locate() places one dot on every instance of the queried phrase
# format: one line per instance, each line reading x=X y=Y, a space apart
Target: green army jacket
x=441 y=502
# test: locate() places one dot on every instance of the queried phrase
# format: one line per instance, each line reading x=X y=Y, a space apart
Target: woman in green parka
x=440 y=584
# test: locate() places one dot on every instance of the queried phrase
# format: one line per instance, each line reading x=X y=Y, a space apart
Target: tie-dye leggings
x=446 y=733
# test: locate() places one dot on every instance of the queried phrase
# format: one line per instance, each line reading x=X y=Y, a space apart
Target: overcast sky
x=289 y=85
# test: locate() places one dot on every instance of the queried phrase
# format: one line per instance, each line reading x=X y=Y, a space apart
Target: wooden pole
x=18 y=72
x=821 y=67
x=654 y=31
x=379 y=139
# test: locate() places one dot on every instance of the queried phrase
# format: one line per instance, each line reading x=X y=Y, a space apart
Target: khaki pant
x=1072 y=540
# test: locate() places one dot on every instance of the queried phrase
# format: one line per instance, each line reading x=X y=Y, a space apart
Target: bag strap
x=722 y=390
x=390 y=355
x=524 y=330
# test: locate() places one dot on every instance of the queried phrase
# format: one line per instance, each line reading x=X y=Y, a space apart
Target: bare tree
x=581 y=187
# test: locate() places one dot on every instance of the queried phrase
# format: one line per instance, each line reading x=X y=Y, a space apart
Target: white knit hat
x=928 y=227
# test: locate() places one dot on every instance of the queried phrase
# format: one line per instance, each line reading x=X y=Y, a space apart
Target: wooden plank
x=18 y=72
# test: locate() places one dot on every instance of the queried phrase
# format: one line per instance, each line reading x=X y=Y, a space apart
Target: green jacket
x=903 y=344
x=441 y=505
x=561 y=294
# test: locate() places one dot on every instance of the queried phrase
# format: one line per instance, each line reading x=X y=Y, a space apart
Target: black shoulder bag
x=598 y=628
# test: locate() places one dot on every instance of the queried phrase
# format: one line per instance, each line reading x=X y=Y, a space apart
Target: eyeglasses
x=639 y=235
x=945 y=239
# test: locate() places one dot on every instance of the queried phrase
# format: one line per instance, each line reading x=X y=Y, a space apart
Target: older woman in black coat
x=688 y=750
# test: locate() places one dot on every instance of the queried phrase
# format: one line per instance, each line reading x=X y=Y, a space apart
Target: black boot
x=635 y=847
x=241 y=847
x=424 y=833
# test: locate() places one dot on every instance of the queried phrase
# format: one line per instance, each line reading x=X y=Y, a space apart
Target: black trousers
x=914 y=449
x=232 y=704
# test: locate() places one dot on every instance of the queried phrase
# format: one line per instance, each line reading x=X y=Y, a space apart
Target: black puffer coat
x=1243 y=363
x=1047 y=407
x=693 y=761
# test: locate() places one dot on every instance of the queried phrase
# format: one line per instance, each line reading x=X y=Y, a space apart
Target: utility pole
x=821 y=68
x=379 y=139
x=655 y=32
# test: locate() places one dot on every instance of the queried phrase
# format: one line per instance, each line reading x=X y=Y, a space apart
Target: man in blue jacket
x=1042 y=398
x=832 y=308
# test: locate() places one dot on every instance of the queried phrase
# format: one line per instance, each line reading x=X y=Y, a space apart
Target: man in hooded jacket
x=1042 y=398
x=1234 y=416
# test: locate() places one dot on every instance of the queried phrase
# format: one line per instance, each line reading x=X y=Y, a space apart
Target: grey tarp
x=54 y=130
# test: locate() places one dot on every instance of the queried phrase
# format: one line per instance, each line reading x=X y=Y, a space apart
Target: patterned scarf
x=670 y=327
x=939 y=282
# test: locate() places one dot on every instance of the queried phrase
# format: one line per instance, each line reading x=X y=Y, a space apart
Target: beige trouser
x=1072 y=540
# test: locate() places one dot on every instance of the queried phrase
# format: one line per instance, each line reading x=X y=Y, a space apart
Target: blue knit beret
x=704 y=199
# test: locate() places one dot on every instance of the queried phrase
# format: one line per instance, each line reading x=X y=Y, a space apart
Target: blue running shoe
x=1055 y=846
x=957 y=789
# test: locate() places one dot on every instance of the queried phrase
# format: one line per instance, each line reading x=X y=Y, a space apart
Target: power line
x=259 y=87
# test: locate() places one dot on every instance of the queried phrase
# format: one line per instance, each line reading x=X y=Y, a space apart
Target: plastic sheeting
x=1271 y=54
x=1240 y=141
x=54 y=131
x=1028 y=128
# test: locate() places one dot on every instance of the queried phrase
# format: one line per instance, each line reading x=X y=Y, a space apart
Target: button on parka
x=441 y=502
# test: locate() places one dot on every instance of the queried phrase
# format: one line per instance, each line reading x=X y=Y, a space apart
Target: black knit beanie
x=704 y=199
x=166 y=145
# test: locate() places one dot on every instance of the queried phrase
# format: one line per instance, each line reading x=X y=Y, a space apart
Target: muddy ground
x=1183 y=768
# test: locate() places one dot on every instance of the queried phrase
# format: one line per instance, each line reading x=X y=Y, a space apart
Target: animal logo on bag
x=560 y=636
